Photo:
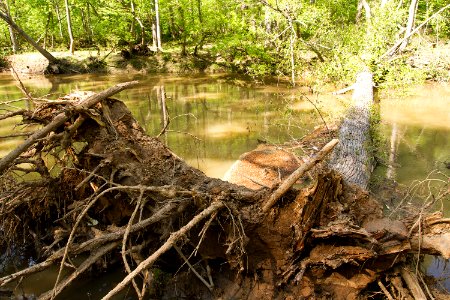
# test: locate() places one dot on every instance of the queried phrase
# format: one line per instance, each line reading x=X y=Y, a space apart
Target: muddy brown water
x=214 y=119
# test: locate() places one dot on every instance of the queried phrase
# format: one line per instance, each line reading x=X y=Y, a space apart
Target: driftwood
x=352 y=156
x=326 y=239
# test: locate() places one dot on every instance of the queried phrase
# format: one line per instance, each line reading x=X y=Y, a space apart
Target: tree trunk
x=410 y=24
x=69 y=27
x=363 y=4
x=19 y=30
x=12 y=35
x=158 y=28
x=199 y=9
x=58 y=15
x=351 y=157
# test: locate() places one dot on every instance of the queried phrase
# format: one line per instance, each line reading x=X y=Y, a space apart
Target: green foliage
x=329 y=40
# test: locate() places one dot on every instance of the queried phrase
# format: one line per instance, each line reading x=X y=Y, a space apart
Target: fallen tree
x=100 y=187
x=352 y=156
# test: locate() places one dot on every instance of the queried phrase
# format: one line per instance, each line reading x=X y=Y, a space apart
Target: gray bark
x=351 y=157
x=410 y=24
x=69 y=27
x=19 y=30
x=158 y=28
x=12 y=35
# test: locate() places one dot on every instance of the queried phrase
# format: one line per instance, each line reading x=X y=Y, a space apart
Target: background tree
x=69 y=27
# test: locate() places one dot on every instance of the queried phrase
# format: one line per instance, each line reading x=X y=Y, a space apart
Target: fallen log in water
x=352 y=156
x=99 y=182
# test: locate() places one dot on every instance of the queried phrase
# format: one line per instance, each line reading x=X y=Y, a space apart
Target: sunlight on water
x=225 y=130
x=428 y=107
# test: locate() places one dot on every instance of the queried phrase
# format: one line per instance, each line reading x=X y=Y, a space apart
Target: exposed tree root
x=98 y=182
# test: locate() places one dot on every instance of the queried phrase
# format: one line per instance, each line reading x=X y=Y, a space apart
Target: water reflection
x=211 y=119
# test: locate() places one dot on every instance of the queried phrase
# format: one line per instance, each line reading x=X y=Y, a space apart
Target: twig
x=384 y=289
x=286 y=185
x=13 y=135
x=93 y=243
x=192 y=268
x=174 y=237
x=124 y=243
x=318 y=110
x=72 y=233
x=21 y=86
x=12 y=114
x=83 y=267
x=412 y=283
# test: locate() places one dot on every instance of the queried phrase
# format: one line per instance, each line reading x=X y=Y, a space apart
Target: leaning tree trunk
x=19 y=30
x=410 y=24
x=351 y=157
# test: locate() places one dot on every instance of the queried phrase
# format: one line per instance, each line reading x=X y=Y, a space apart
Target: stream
x=214 y=119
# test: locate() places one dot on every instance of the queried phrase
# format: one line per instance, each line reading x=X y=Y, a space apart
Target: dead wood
x=87 y=263
x=112 y=182
x=171 y=241
x=412 y=283
x=305 y=167
x=59 y=120
x=13 y=113
x=352 y=157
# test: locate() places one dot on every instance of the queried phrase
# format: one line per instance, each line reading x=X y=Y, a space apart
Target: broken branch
x=286 y=185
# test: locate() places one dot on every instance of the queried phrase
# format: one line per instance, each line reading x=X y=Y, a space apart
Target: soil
x=114 y=62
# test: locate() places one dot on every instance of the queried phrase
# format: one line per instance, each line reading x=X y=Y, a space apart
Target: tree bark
x=410 y=24
x=351 y=156
x=141 y=25
x=69 y=27
x=58 y=15
x=19 y=30
x=158 y=28
x=12 y=35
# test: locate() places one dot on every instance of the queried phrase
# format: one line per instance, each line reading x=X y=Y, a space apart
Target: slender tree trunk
x=410 y=24
x=158 y=28
x=69 y=27
x=199 y=8
x=141 y=25
x=363 y=4
x=183 y=31
x=86 y=23
x=154 y=38
x=173 y=33
x=58 y=15
x=19 y=30
x=133 y=13
x=12 y=34
x=47 y=25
